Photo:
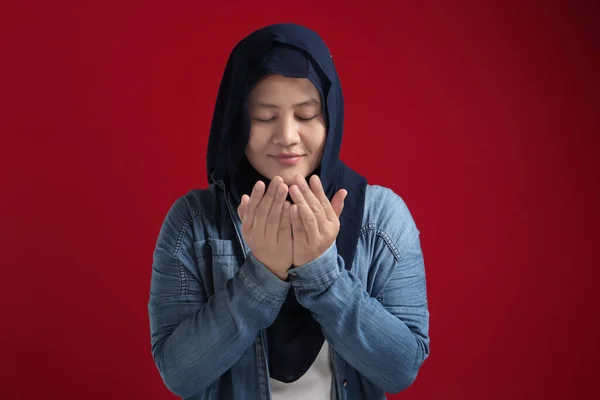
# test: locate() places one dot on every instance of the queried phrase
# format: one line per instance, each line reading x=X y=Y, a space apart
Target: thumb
x=338 y=201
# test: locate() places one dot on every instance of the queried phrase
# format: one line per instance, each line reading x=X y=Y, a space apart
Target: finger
x=243 y=207
x=253 y=201
x=307 y=216
x=313 y=203
x=262 y=210
x=274 y=215
x=298 y=231
x=258 y=191
x=319 y=193
x=285 y=223
x=337 y=203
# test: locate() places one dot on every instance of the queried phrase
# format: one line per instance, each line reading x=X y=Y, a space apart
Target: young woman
x=289 y=277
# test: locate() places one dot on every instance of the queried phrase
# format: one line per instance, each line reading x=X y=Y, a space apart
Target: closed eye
x=273 y=118
x=264 y=120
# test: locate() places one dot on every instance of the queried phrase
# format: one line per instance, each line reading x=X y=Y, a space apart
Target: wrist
x=263 y=282
x=281 y=276
x=275 y=271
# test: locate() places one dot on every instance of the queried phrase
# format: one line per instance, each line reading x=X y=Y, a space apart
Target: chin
x=288 y=180
x=288 y=176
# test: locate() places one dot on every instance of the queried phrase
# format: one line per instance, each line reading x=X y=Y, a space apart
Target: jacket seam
x=381 y=295
x=372 y=227
x=183 y=275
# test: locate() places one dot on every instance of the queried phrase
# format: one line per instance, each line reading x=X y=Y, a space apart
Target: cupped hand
x=315 y=220
x=266 y=225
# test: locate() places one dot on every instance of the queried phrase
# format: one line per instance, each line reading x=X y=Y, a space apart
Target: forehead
x=281 y=88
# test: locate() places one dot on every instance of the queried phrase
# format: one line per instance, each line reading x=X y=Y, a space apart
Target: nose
x=286 y=133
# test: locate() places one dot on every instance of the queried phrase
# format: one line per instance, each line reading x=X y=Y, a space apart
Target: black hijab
x=295 y=338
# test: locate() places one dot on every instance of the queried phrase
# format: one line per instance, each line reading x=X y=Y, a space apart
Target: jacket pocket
x=219 y=260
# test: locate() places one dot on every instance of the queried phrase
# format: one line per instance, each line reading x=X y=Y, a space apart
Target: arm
x=385 y=339
x=196 y=338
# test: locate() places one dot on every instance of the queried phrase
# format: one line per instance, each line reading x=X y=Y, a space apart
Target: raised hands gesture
x=280 y=234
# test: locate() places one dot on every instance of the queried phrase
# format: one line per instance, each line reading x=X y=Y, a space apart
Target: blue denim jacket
x=211 y=302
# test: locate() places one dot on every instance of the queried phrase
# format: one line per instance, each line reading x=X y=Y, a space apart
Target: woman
x=289 y=276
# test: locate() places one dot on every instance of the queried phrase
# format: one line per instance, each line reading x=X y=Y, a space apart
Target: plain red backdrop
x=483 y=116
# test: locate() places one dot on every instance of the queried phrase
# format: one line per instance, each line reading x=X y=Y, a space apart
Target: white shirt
x=315 y=384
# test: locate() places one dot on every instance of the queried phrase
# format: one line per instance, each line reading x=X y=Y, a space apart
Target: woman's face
x=287 y=129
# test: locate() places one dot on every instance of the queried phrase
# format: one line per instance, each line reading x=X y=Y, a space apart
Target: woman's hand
x=315 y=221
x=266 y=225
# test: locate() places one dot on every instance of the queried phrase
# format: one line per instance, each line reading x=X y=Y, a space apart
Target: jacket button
x=345 y=383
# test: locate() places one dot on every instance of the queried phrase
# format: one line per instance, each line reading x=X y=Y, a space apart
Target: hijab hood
x=230 y=126
x=295 y=337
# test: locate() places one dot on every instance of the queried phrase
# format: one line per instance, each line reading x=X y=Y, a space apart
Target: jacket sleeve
x=384 y=338
x=196 y=338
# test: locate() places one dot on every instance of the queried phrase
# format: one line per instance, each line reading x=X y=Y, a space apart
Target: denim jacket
x=211 y=301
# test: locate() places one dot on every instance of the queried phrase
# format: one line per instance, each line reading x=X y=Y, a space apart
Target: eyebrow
x=309 y=102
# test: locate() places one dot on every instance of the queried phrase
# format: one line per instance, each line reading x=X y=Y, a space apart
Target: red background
x=483 y=116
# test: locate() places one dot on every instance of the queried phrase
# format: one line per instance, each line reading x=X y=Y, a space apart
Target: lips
x=288 y=158
x=288 y=155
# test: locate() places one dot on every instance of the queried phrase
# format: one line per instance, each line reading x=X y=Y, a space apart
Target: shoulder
x=387 y=215
x=197 y=207
x=377 y=196
x=382 y=203
x=197 y=202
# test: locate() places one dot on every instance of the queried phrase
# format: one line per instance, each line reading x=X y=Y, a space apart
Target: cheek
x=259 y=138
x=317 y=140
x=256 y=140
